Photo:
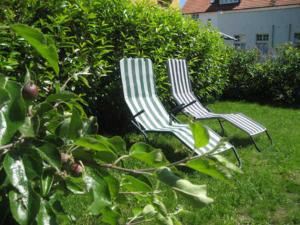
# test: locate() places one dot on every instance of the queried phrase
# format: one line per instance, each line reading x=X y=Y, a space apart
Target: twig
x=138 y=192
x=148 y=171
x=111 y=166
x=177 y=163
x=66 y=82
x=139 y=222
x=6 y=148
x=120 y=158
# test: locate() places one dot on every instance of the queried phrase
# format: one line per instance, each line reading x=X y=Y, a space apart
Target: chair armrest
x=137 y=114
x=179 y=108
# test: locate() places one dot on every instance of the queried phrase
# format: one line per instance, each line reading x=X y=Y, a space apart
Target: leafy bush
x=49 y=148
x=97 y=34
x=276 y=80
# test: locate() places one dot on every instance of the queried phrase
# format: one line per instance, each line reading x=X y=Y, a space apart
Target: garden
x=69 y=153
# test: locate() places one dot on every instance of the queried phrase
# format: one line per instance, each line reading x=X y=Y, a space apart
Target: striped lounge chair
x=148 y=112
x=189 y=103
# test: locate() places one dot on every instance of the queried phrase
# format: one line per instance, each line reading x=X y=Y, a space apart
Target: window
x=297 y=39
x=224 y=2
x=195 y=16
x=240 y=42
x=262 y=43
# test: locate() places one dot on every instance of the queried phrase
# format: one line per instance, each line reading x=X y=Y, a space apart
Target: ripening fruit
x=76 y=168
x=64 y=158
x=30 y=91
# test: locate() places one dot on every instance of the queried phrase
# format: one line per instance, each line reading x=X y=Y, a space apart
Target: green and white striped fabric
x=183 y=94
x=140 y=94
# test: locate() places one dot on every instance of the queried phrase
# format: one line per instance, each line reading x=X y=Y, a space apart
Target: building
x=165 y=3
x=264 y=24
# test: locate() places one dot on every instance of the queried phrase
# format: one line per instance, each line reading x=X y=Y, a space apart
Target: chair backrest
x=178 y=74
x=182 y=88
x=140 y=94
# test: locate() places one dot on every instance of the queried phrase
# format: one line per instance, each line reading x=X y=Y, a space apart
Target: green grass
x=268 y=192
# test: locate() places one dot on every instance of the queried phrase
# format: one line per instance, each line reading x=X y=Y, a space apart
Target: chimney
x=273 y=2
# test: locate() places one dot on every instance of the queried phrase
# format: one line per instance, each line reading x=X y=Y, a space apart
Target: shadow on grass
x=262 y=103
x=241 y=141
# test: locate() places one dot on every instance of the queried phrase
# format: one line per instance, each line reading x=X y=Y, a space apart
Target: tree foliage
x=50 y=148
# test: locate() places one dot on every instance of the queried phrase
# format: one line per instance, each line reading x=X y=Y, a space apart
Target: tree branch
x=5 y=148
x=111 y=166
x=120 y=158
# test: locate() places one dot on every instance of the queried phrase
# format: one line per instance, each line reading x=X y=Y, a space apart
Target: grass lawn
x=268 y=192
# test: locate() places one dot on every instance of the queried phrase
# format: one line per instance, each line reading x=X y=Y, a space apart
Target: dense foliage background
x=276 y=80
x=97 y=34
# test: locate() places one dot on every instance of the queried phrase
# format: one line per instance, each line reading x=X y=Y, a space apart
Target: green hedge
x=97 y=34
x=276 y=80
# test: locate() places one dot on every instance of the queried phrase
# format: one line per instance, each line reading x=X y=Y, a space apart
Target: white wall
x=251 y=22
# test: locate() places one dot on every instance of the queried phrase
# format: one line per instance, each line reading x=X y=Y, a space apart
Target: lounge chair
x=189 y=103
x=149 y=115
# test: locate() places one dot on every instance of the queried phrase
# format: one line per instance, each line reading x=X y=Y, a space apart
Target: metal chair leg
x=239 y=161
x=256 y=146
x=142 y=131
x=269 y=136
x=222 y=127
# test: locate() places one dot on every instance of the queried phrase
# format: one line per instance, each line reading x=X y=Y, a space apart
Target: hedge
x=275 y=80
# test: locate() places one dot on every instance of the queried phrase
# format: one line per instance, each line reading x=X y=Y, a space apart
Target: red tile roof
x=200 y=6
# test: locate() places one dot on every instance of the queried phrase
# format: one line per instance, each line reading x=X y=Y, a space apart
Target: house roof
x=201 y=6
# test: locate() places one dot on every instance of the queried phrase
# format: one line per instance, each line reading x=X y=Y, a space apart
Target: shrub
x=276 y=80
x=97 y=34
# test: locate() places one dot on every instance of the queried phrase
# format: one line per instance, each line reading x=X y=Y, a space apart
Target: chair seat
x=184 y=134
x=237 y=119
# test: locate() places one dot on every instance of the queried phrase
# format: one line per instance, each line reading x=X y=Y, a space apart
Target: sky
x=182 y=3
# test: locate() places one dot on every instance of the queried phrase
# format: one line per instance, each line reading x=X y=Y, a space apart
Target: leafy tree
x=49 y=148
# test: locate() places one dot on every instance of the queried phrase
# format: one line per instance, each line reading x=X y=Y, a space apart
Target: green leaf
x=42 y=43
x=75 y=124
x=57 y=208
x=47 y=182
x=149 y=210
x=64 y=96
x=90 y=126
x=50 y=154
x=15 y=171
x=207 y=167
x=4 y=97
x=99 y=191
x=100 y=145
x=23 y=208
x=113 y=184
x=24 y=203
x=12 y=112
x=197 y=193
x=109 y=216
x=133 y=184
x=119 y=145
x=227 y=164
x=75 y=184
x=200 y=134
x=148 y=154
x=45 y=215
x=33 y=163
x=27 y=129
